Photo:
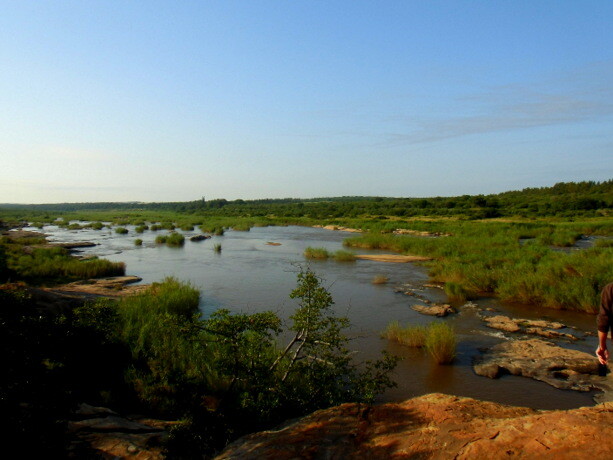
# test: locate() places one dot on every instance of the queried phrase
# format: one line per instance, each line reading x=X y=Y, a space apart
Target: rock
x=110 y=423
x=501 y=322
x=199 y=237
x=435 y=426
x=539 y=323
x=549 y=333
x=547 y=362
x=75 y=245
x=271 y=243
x=85 y=410
x=434 y=310
x=113 y=286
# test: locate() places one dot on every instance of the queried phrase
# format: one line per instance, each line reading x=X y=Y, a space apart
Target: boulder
x=435 y=426
x=501 y=322
x=434 y=310
x=540 y=360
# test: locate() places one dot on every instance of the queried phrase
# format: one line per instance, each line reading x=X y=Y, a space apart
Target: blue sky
x=165 y=101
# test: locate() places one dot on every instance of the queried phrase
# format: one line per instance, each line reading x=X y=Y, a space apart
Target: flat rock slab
x=435 y=426
x=540 y=360
x=394 y=258
x=434 y=310
x=543 y=328
x=114 y=286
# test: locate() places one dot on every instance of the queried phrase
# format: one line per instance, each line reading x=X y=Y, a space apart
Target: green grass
x=411 y=336
x=138 y=242
x=455 y=292
x=441 y=343
x=172 y=239
x=121 y=230
x=438 y=339
x=344 y=256
x=316 y=253
x=217 y=247
x=141 y=228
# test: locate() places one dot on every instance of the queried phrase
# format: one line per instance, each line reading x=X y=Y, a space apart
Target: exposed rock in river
x=114 y=286
x=435 y=426
x=536 y=327
x=547 y=362
x=434 y=310
x=199 y=237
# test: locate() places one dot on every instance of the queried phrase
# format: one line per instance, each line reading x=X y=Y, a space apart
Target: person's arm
x=602 y=352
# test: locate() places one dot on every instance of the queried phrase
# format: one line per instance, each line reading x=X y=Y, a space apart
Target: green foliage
x=187 y=227
x=217 y=247
x=455 y=292
x=121 y=230
x=138 y=242
x=141 y=228
x=97 y=225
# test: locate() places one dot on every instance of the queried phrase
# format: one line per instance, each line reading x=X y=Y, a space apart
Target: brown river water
x=250 y=275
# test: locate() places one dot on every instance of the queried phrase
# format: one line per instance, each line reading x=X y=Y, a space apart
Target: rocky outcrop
x=338 y=228
x=98 y=432
x=113 y=286
x=199 y=237
x=547 y=329
x=435 y=426
x=560 y=367
x=434 y=310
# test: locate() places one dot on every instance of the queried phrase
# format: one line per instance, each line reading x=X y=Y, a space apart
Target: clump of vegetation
x=344 y=256
x=316 y=253
x=438 y=339
x=172 y=239
x=380 y=279
x=242 y=227
x=455 y=292
x=97 y=225
x=217 y=247
x=155 y=227
x=441 y=343
x=121 y=230
x=75 y=226
x=138 y=242
x=168 y=225
x=141 y=228
x=187 y=227
x=411 y=336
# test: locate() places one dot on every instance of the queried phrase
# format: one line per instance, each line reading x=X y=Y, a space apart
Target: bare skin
x=602 y=352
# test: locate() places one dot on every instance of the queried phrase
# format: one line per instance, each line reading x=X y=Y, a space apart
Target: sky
x=172 y=101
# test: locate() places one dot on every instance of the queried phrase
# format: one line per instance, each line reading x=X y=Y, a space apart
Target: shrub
x=141 y=228
x=138 y=242
x=121 y=230
x=97 y=225
x=172 y=239
x=316 y=253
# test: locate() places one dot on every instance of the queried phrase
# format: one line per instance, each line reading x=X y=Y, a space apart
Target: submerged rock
x=536 y=327
x=547 y=362
x=199 y=237
x=435 y=426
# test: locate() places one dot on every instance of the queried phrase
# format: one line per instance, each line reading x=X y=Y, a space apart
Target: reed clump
x=441 y=343
x=438 y=339
x=344 y=256
x=172 y=239
x=217 y=248
x=121 y=230
x=410 y=336
x=316 y=253
x=138 y=242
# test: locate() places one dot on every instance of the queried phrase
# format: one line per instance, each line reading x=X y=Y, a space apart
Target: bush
x=172 y=239
x=138 y=242
x=121 y=230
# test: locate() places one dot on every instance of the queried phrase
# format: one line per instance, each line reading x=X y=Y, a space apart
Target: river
x=250 y=275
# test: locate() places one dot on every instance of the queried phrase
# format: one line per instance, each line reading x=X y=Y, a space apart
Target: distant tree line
x=565 y=199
